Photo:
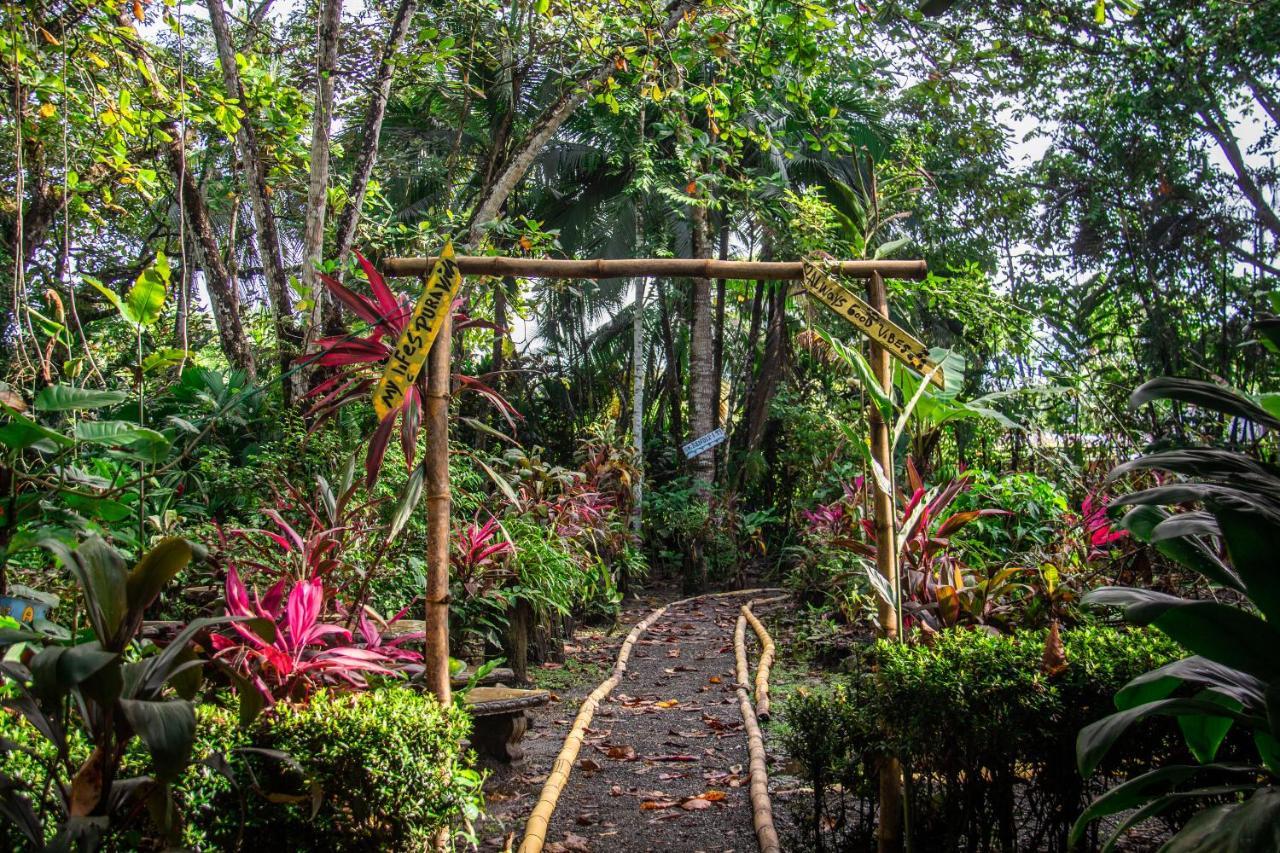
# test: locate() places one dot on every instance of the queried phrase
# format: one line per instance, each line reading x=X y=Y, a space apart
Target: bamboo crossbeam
x=652 y=268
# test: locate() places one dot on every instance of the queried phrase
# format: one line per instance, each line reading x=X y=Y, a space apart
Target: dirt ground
x=664 y=765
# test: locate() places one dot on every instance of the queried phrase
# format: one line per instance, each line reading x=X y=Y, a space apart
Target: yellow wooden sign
x=416 y=339
x=867 y=320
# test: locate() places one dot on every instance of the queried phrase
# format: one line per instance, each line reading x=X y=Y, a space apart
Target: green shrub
x=989 y=739
x=383 y=768
x=1036 y=504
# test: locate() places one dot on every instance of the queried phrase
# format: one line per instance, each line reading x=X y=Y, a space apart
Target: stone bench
x=500 y=717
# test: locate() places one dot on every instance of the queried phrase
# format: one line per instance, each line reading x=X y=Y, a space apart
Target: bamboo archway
x=885 y=343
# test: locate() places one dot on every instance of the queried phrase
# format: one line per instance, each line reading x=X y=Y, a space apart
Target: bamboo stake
x=535 y=831
x=889 y=832
x=652 y=268
x=766 y=655
x=761 y=807
x=436 y=462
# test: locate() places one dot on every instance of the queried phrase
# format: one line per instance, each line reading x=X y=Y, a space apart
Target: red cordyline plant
x=478 y=559
x=1099 y=535
x=302 y=652
x=388 y=315
x=935 y=587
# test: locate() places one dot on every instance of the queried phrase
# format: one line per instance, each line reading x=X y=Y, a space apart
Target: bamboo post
x=761 y=807
x=889 y=834
x=436 y=463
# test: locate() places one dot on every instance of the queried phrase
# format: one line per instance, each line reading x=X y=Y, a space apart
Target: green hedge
x=382 y=769
x=988 y=738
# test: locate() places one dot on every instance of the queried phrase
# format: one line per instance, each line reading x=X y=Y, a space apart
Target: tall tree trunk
x=255 y=178
x=325 y=318
x=702 y=384
x=638 y=366
x=371 y=132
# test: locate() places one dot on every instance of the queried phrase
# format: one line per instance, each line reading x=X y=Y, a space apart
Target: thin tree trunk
x=499 y=362
x=222 y=295
x=496 y=191
x=324 y=314
x=371 y=132
x=223 y=298
x=638 y=369
x=1218 y=128
x=255 y=174
x=717 y=402
x=672 y=374
x=749 y=434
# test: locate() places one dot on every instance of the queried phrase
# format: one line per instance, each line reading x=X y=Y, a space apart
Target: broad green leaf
x=163 y=358
x=1204 y=733
x=1139 y=790
x=21 y=432
x=101 y=574
x=1201 y=672
x=168 y=729
x=157 y=567
x=146 y=443
x=110 y=295
x=1249 y=827
x=863 y=373
x=1141 y=521
x=1253 y=541
x=1096 y=739
x=145 y=300
x=1206 y=395
x=1219 y=632
x=65 y=398
x=407 y=503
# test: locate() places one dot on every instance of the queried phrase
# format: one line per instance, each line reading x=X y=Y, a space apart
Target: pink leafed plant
x=303 y=652
x=1098 y=532
x=477 y=556
x=388 y=315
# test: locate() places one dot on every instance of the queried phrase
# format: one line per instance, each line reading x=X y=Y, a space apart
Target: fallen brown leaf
x=653 y=805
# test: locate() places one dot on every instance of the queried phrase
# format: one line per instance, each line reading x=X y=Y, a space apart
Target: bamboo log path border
x=767 y=652
x=535 y=831
x=761 y=806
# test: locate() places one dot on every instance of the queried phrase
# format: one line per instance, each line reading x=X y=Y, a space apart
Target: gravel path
x=664 y=765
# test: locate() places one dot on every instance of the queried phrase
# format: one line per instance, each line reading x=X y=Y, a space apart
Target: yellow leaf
x=139 y=14
x=49 y=37
x=667 y=703
x=48 y=110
